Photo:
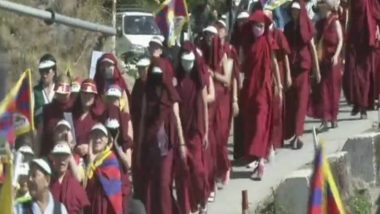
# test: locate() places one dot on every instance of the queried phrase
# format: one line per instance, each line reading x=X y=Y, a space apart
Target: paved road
x=228 y=200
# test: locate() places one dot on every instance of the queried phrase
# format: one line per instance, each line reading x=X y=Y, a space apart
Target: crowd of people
x=163 y=147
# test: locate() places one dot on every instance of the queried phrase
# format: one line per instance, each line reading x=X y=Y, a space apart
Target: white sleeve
x=63 y=209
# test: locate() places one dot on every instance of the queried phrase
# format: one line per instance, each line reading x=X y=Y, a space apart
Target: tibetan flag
x=16 y=110
x=324 y=194
x=107 y=169
x=170 y=18
x=316 y=185
x=6 y=194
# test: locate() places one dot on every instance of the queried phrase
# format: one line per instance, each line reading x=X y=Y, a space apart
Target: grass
x=26 y=39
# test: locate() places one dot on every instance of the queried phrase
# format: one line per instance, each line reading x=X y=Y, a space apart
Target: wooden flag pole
x=244 y=202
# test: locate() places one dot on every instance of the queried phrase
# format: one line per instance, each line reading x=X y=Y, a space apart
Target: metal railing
x=51 y=17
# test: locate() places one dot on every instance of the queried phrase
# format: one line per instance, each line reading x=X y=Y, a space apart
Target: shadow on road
x=241 y=174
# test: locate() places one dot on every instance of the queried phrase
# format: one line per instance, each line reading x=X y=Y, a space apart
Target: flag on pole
x=6 y=194
x=324 y=194
x=170 y=18
x=16 y=110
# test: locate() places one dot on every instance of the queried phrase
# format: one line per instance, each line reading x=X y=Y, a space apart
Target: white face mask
x=187 y=65
x=109 y=72
x=258 y=31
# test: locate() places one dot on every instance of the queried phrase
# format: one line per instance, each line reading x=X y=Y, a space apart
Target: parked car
x=135 y=29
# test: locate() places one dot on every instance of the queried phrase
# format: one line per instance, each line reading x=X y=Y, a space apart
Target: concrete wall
x=358 y=160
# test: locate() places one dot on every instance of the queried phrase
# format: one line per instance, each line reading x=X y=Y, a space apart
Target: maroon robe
x=223 y=110
x=160 y=142
x=53 y=112
x=375 y=6
x=191 y=186
x=256 y=94
x=102 y=84
x=70 y=193
x=114 y=112
x=358 y=75
x=100 y=202
x=278 y=108
x=210 y=152
x=325 y=98
x=299 y=35
x=136 y=106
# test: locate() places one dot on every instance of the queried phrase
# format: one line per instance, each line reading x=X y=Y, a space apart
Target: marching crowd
x=163 y=147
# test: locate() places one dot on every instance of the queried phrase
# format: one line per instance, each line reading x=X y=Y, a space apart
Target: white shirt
x=19 y=209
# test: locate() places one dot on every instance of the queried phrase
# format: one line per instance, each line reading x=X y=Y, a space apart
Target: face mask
x=187 y=65
x=109 y=72
x=258 y=31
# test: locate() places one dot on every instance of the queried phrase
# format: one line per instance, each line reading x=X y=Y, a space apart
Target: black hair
x=50 y=57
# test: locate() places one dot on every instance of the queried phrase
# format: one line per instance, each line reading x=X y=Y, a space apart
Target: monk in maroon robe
x=256 y=94
x=87 y=111
x=193 y=112
x=104 y=179
x=282 y=52
x=299 y=32
x=119 y=124
x=136 y=105
x=160 y=138
x=64 y=187
x=226 y=86
x=205 y=47
x=53 y=113
x=358 y=84
x=108 y=72
x=325 y=98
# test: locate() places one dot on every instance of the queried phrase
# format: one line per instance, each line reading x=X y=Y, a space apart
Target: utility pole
x=114 y=2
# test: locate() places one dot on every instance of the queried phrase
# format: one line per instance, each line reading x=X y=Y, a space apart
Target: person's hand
x=318 y=77
x=289 y=82
x=82 y=150
x=91 y=155
x=235 y=108
x=183 y=152
x=335 y=60
x=205 y=141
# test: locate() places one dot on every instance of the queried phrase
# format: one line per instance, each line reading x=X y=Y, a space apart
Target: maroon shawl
x=70 y=193
x=117 y=75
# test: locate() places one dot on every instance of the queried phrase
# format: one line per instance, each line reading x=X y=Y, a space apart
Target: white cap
x=114 y=91
x=157 y=40
x=223 y=23
x=23 y=169
x=26 y=150
x=46 y=64
x=41 y=163
x=211 y=29
x=243 y=15
x=61 y=148
x=63 y=123
x=157 y=70
x=75 y=87
x=100 y=127
x=144 y=62
x=112 y=123
x=296 y=5
x=224 y=16
x=188 y=56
